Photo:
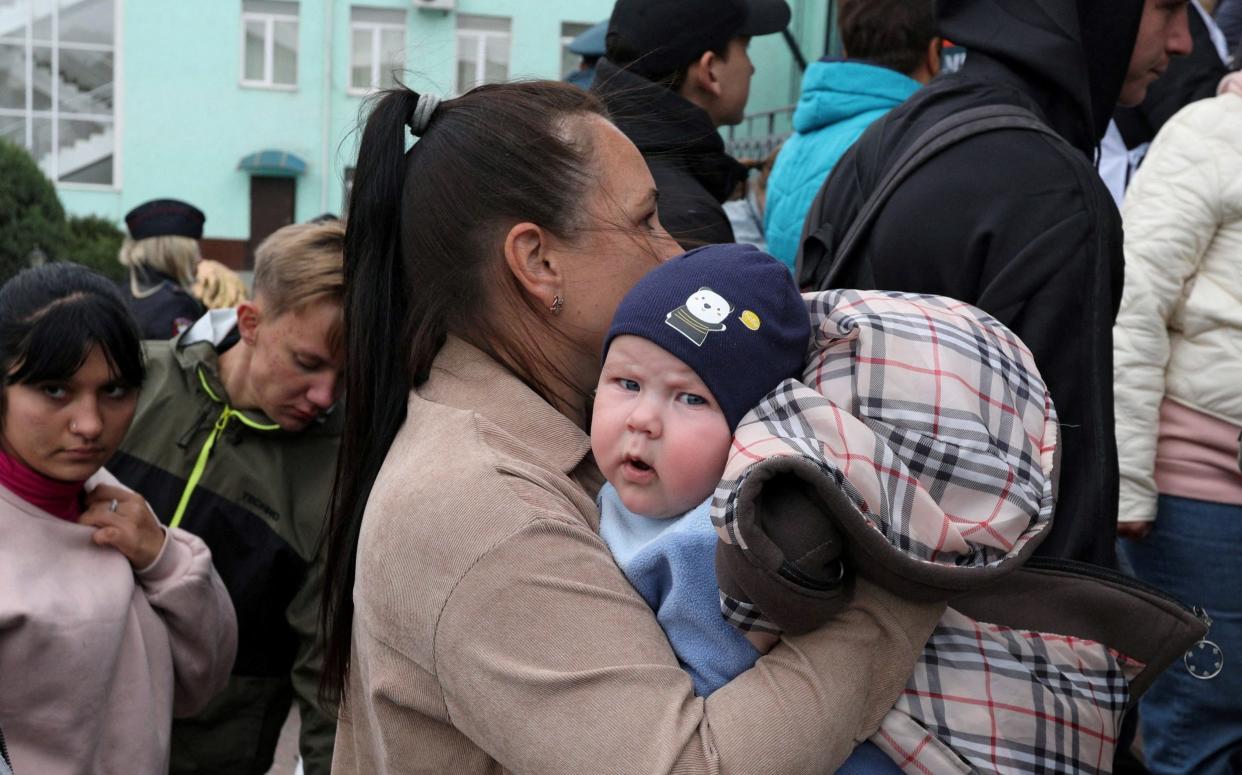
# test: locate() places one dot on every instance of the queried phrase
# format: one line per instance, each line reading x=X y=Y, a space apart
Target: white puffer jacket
x=1179 y=331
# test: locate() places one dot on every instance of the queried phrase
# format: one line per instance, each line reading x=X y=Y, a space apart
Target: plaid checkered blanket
x=987 y=698
x=927 y=412
x=930 y=416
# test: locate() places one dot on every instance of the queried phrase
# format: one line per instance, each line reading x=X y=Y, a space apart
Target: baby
x=692 y=348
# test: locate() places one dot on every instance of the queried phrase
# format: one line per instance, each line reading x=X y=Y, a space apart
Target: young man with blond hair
x=235 y=440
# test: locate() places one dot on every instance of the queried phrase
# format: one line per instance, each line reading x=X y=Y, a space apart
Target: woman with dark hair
x=109 y=623
x=475 y=620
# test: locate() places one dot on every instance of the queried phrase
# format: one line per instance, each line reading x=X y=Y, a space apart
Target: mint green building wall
x=185 y=121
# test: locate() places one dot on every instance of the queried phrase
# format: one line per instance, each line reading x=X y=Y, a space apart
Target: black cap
x=660 y=36
x=165 y=217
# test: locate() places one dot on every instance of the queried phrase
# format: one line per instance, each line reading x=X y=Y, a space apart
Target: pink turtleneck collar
x=60 y=499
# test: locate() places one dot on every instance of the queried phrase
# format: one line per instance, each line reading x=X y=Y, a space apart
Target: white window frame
x=54 y=114
x=376 y=29
x=482 y=37
x=567 y=39
x=269 y=19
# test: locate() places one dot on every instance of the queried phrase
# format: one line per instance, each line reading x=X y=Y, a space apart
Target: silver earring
x=558 y=304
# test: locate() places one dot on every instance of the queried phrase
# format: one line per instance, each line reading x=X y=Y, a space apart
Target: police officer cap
x=165 y=217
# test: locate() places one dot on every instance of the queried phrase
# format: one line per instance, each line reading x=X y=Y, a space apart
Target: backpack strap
x=943 y=134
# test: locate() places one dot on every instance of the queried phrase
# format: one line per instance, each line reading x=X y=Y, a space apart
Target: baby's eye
x=628 y=384
x=693 y=399
x=56 y=392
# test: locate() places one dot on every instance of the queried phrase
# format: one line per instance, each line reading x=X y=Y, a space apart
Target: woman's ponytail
x=377 y=377
x=421 y=264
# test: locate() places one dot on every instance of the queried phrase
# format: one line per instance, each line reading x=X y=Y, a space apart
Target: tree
x=31 y=215
x=95 y=242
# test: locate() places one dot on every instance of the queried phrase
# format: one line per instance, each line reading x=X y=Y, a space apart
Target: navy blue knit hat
x=730 y=312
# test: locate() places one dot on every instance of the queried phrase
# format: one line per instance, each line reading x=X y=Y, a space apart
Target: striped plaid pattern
x=931 y=418
x=985 y=698
x=927 y=412
x=745 y=616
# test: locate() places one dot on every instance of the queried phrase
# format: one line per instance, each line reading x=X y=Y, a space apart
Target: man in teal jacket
x=892 y=50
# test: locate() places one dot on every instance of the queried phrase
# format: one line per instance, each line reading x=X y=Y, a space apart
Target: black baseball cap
x=654 y=38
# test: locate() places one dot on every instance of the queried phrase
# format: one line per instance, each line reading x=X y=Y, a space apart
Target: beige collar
x=464 y=377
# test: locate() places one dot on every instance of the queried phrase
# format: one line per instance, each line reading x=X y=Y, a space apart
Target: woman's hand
x=123 y=520
x=1133 y=530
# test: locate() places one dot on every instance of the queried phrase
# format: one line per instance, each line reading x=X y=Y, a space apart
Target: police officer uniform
x=160 y=305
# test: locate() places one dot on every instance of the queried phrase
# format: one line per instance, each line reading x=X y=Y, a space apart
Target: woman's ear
x=248 y=318
x=531 y=258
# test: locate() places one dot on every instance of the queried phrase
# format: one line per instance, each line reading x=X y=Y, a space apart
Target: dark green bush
x=95 y=242
x=30 y=212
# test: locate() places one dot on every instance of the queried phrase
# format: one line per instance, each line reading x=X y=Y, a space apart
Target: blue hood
x=834 y=91
x=840 y=99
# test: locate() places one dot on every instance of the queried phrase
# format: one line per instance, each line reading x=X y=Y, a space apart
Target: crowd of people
x=533 y=465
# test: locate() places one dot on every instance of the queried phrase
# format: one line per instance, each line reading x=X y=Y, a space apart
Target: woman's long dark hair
x=423 y=260
x=52 y=317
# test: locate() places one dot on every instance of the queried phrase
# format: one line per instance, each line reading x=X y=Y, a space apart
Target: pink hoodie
x=95 y=658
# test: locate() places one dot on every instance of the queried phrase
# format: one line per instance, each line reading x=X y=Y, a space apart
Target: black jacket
x=1014 y=222
x=683 y=150
x=162 y=308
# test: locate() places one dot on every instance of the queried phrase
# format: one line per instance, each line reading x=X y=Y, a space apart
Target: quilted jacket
x=922 y=430
x=1180 y=324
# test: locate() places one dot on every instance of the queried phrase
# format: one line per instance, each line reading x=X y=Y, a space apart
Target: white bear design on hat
x=702 y=313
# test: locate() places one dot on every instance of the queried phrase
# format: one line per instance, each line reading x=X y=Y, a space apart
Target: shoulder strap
x=944 y=133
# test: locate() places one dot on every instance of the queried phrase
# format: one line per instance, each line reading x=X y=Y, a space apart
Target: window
x=569 y=31
x=269 y=44
x=376 y=47
x=482 y=51
x=57 y=75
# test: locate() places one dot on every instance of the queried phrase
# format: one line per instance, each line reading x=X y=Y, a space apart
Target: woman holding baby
x=475 y=620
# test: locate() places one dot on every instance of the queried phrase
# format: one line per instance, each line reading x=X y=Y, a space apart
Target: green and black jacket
x=258 y=496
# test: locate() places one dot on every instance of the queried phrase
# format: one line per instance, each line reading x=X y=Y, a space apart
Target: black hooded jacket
x=1014 y=222
x=683 y=150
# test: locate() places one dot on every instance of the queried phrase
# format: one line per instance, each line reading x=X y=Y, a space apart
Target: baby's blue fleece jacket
x=672 y=564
